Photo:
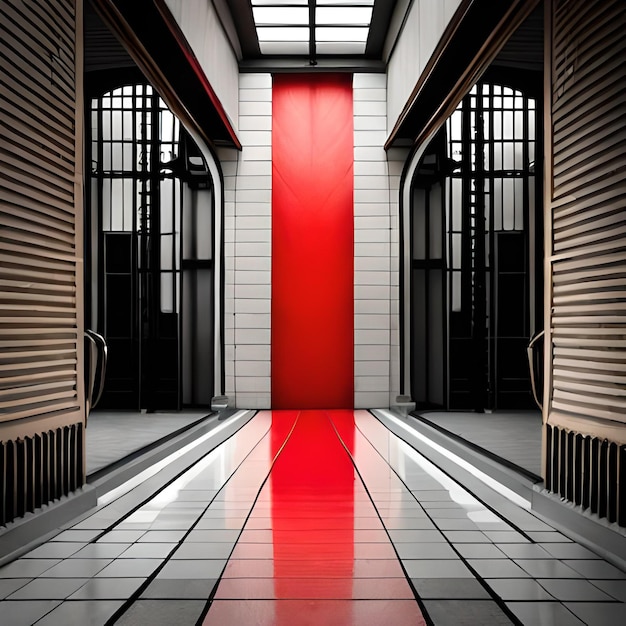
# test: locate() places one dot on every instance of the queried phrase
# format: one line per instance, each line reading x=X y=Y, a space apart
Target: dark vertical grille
x=587 y=471
x=31 y=476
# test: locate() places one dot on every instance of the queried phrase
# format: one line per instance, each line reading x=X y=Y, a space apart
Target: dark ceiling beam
x=381 y=18
x=284 y=64
x=241 y=13
x=469 y=44
x=152 y=37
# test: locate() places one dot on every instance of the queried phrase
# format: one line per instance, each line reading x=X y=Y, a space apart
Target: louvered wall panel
x=589 y=210
x=40 y=222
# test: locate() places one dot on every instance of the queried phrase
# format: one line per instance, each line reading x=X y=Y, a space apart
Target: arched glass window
x=151 y=251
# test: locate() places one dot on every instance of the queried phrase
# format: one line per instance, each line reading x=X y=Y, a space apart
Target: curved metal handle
x=98 y=348
x=531 y=365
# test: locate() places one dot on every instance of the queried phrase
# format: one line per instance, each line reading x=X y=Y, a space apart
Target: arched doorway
x=150 y=252
x=476 y=255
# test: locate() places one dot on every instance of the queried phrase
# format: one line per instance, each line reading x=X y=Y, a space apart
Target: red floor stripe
x=305 y=568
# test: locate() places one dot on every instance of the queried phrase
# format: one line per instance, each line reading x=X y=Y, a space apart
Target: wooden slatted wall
x=589 y=209
x=587 y=319
x=41 y=347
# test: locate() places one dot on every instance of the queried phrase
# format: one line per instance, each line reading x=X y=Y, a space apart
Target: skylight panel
x=269 y=33
x=345 y=2
x=279 y=2
x=332 y=33
x=344 y=16
x=285 y=47
x=288 y=16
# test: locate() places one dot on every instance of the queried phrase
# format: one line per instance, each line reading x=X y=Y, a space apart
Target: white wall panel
x=199 y=23
x=248 y=248
x=422 y=30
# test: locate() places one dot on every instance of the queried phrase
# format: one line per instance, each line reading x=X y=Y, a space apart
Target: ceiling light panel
x=344 y=16
x=325 y=33
x=362 y=3
x=268 y=33
x=279 y=3
x=340 y=47
x=265 y=16
x=284 y=47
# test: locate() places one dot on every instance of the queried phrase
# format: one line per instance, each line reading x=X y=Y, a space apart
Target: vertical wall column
x=376 y=251
x=247 y=247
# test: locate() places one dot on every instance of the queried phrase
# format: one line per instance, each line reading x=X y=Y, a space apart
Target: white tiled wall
x=248 y=247
x=373 y=242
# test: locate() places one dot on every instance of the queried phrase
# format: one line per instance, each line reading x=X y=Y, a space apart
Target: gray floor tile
x=543 y=614
x=26 y=612
x=518 y=589
x=466 y=536
x=77 y=568
x=548 y=537
x=208 y=536
x=547 y=568
x=570 y=589
x=9 y=585
x=479 y=551
x=466 y=613
x=107 y=589
x=416 y=536
x=497 y=568
x=77 y=536
x=524 y=551
x=219 y=523
x=85 y=613
x=435 y=550
x=408 y=523
x=163 y=588
x=121 y=536
x=163 y=536
x=505 y=536
x=450 y=588
x=27 y=568
x=431 y=495
x=193 y=569
x=148 y=551
x=448 y=513
x=431 y=568
x=162 y=612
x=569 y=551
x=130 y=568
x=599 y=614
x=615 y=588
x=101 y=551
x=455 y=524
x=54 y=550
x=48 y=589
x=595 y=568
x=203 y=551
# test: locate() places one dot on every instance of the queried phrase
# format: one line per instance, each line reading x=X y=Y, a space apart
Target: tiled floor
x=112 y=435
x=511 y=435
x=313 y=517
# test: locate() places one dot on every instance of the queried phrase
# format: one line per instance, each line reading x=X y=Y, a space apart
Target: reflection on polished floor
x=309 y=517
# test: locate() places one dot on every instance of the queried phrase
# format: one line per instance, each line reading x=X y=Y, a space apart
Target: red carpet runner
x=322 y=557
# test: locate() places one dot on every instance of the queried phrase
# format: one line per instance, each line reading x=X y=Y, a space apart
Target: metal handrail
x=98 y=348
x=531 y=364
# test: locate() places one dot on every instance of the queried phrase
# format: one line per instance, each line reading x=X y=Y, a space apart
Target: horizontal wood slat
x=40 y=340
x=588 y=313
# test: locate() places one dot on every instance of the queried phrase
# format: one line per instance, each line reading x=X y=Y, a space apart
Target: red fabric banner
x=312 y=242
